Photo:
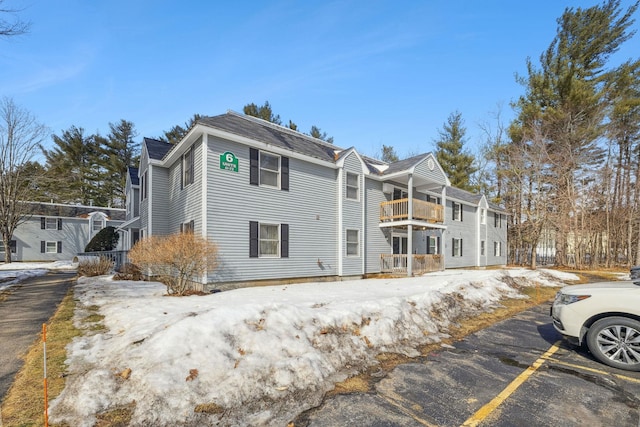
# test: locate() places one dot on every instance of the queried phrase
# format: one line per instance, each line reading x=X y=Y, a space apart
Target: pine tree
x=118 y=152
x=73 y=171
x=457 y=164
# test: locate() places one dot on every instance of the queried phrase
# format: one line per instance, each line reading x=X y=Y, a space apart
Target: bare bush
x=98 y=266
x=176 y=260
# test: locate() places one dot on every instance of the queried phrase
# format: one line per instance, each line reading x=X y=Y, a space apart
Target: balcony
x=398 y=210
x=397 y=263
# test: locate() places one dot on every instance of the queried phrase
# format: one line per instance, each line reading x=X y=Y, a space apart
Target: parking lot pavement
x=518 y=372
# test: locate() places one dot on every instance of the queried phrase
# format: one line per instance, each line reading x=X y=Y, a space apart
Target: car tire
x=615 y=341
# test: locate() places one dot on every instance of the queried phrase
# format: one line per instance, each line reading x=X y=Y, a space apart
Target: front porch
x=421 y=263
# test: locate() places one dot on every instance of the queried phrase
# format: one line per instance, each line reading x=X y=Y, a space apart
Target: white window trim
x=483 y=216
x=278 y=172
x=457 y=211
x=46 y=247
x=49 y=220
x=278 y=238
x=456 y=247
x=348 y=242
x=188 y=166
x=497 y=248
x=356 y=187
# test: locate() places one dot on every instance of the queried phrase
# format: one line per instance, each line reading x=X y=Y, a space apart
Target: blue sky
x=366 y=72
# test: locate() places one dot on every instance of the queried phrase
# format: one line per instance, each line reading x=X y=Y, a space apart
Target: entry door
x=400 y=245
x=400 y=248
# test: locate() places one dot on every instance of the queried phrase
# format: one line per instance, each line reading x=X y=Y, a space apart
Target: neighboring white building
x=55 y=231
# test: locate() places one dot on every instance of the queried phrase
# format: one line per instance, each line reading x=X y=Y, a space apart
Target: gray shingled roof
x=269 y=133
x=463 y=195
x=403 y=165
x=72 y=211
x=157 y=149
x=471 y=198
x=133 y=175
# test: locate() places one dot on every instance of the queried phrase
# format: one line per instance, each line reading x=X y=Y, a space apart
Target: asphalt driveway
x=30 y=304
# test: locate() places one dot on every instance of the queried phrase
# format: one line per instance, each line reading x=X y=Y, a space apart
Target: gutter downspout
x=203 y=196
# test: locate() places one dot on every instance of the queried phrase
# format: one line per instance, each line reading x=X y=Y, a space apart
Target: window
x=457 y=211
x=12 y=246
x=497 y=220
x=482 y=247
x=143 y=186
x=187 y=168
x=98 y=223
x=187 y=227
x=456 y=247
x=353 y=186
x=268 y=240
x=353 y=242
x=483 y=216
x=50 y=247
x=432 y=245
x=268 y=169
x=50 y=223
x=497 y=249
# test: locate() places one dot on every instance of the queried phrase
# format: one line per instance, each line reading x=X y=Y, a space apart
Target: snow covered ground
x=263 y=354
x=13 y=273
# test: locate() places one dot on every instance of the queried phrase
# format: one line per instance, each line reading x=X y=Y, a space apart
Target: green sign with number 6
x=229 y=161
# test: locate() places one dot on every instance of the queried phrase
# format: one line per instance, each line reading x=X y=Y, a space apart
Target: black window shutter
x=14 y=246
x=59 y=247
x=42 y=245
x=461 y=210
x=181 y=228
x=453 y=210
x=438 y=250
x=284 y=178
x=453 y=247
x=192 y=226
x=42 y=222
x=182 y=172
x=460 y=247
x=253 y=239
x=59 y=223
x=284 y=240
x=253 y=167
x=428 y=245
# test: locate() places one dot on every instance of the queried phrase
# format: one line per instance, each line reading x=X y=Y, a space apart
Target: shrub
x=175 y=260
x=105 y=240
x=98 y=266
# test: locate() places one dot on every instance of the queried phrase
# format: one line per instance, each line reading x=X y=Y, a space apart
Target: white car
x=604 y=315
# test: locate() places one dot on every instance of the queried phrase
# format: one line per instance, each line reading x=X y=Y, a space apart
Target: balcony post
x=410 y=228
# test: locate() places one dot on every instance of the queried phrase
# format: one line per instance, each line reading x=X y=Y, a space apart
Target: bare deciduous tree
x=14 y=27
x=20 y=137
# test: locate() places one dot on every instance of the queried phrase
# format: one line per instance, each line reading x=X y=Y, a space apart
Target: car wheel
x=615 y=341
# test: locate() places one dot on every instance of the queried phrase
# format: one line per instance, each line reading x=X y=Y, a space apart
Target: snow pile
x=262 y=355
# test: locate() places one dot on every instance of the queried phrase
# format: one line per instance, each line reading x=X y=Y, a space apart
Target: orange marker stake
x=46 y=398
